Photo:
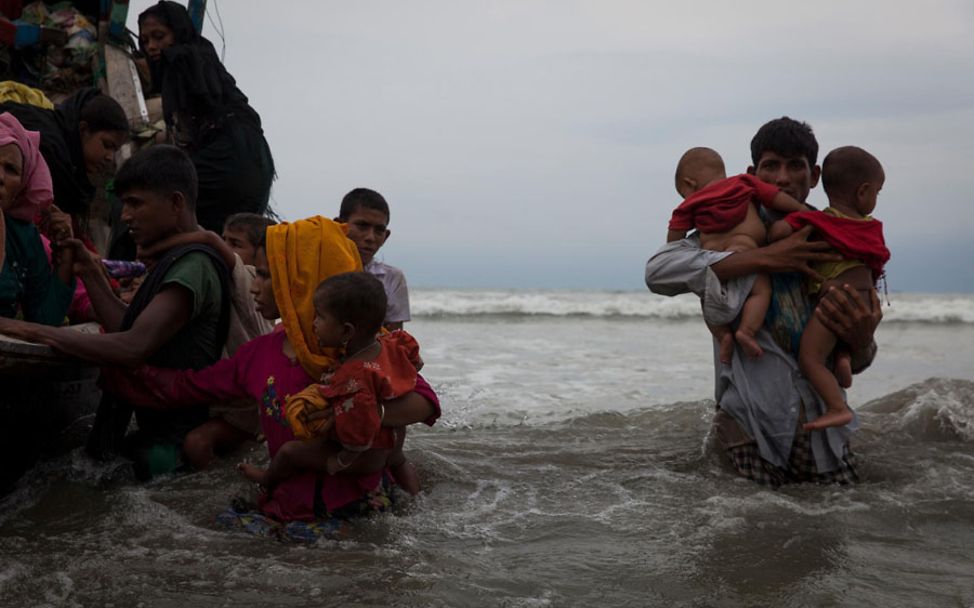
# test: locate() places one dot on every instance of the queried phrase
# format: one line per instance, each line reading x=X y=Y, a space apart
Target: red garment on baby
x=721 y=205
x=357 y=388
x=855 y=239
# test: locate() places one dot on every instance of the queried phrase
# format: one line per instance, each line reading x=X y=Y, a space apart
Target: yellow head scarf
x=300 y=255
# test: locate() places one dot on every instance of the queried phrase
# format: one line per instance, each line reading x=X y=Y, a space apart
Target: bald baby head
x=697 y=168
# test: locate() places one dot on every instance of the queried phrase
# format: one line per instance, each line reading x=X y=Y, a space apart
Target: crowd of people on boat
x=220 y=325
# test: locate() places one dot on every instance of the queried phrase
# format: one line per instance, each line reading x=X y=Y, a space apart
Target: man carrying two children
x=762 y=402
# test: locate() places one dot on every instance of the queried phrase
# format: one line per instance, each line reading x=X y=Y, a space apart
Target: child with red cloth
x=852 y=179
x=722 y=210
x=349 y=310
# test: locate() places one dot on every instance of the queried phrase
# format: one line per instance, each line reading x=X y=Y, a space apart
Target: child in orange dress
x=349 y=310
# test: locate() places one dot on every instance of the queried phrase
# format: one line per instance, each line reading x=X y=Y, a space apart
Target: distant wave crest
x=903 y=308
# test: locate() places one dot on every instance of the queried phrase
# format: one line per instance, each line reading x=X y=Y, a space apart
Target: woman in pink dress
x=270 y=368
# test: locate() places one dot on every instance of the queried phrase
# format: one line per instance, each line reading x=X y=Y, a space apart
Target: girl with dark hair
x=207 y=115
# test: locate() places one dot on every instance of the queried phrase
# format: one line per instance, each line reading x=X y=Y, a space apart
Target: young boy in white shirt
x=366 y=213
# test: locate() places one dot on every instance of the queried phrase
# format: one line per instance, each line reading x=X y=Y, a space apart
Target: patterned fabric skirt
x=746 y=458
x=244 y=516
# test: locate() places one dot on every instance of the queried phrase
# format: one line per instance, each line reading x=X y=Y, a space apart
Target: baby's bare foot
x=255 y=474
x=748 y=344
x=830 y=418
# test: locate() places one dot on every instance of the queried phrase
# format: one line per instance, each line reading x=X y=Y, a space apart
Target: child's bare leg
x=402 y=470
x=292 y=458
x=816 y=346
x=842 y=367
x=752 y=316
x=202 y=443
x=725 y=341
x=861 y=278
x=746 y=236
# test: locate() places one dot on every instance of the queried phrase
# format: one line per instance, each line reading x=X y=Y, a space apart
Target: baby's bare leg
x=756 y=305
x=725 y=341
x=861 y=278
x=752 y=316
x=816 y=346
x=292 y=458
x=745 y=236
x=842 y=366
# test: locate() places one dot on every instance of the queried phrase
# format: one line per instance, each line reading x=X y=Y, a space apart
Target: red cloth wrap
x=855 y=239
x=721 y=205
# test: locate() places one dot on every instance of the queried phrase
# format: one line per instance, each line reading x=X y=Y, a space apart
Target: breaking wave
x=433 y=303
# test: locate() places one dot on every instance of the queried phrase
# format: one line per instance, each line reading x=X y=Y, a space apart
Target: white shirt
x=397 y=294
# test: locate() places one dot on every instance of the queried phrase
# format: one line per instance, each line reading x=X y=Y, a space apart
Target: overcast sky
x=532 y=144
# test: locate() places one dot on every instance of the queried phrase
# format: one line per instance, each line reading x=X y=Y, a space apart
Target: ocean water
x=570 y=468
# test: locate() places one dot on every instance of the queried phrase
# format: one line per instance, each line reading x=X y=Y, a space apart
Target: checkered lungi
x=745 y=457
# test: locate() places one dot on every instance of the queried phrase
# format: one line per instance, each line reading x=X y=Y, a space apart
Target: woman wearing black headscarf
x=79 y=139
x=207 y=115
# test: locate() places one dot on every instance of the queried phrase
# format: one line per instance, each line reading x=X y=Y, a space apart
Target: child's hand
x=325 y=416
x=779 y=230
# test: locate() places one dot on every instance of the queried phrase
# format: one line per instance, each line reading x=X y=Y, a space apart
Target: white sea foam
x=909 y=308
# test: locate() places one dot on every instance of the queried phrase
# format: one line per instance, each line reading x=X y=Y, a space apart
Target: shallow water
x=570 y=468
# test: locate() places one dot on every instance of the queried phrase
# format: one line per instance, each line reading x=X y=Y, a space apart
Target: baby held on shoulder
x=349 y=310
x=723 y=211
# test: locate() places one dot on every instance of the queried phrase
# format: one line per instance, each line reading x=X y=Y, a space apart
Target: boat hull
x=47 y=404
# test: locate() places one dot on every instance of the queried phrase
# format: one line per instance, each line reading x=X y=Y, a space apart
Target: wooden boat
x=47 y=404
x=47 y=401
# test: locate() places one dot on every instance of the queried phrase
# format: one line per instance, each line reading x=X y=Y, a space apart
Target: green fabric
x=28 y=286
x=196 y=345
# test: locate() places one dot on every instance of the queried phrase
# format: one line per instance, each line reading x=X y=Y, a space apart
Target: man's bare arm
x=167 y=313
x=794 y=253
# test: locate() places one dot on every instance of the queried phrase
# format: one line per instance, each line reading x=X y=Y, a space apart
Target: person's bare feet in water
x=253 y=473
x=829 y=418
